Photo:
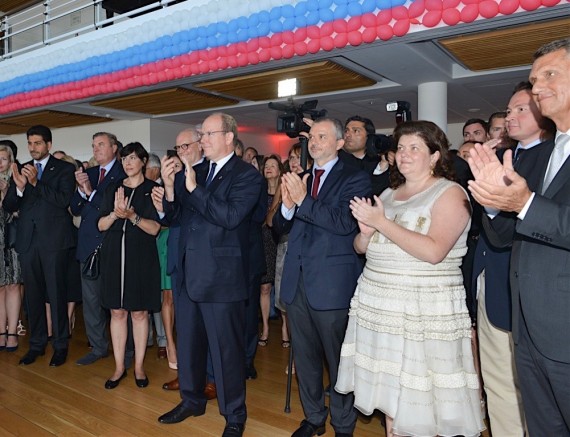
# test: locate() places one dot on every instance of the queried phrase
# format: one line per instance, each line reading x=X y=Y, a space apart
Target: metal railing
x=55 y=20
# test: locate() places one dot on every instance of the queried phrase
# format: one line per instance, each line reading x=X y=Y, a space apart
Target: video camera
x=290 y=121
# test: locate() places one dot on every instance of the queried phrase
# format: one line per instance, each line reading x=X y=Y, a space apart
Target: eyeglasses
x=210 y=133
x=185 y=145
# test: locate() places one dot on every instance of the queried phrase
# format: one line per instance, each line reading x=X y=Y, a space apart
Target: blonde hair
x=10 y=157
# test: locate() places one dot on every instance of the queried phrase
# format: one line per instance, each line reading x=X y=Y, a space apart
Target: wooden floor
x=38 y=400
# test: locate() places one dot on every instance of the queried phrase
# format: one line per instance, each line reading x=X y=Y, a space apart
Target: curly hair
x=435 y=140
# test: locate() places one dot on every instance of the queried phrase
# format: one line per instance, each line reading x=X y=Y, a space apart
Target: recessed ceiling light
x=287 y=87
x=473 y=110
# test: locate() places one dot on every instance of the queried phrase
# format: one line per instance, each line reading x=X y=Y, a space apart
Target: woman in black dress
x=130 y=270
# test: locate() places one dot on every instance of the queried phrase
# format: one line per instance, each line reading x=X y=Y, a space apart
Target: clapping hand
x=83 y=182
x=121 y=208
x=157 y=195
x=19 y=179
x=295 y=186
x=369 y=216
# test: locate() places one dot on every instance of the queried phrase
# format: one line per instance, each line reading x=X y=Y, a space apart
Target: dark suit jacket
x=43 y=208
x=89 y=236
x=215 y=224
x=321 y=241
x=368 y=164
x=540 y=257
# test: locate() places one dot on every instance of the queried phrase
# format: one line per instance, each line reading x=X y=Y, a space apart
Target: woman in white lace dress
x=407 y=350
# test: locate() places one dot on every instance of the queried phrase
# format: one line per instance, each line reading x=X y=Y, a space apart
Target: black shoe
x=180 y=413
x=307 y=429
x=31 y=356
x=141 y=383
x=233 y=430
x=250 y=372
x=110 y=384
x=58 y=358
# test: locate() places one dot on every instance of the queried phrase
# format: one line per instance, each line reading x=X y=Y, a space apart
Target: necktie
x=518 y=154
x=211 y=174
x=101 y=175
x=316 y=182
x=556 y=160
x=40 y=170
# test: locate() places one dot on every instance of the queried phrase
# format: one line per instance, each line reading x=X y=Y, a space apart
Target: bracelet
x=137 y=220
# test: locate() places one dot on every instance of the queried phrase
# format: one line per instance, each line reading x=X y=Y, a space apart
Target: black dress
x=269 y=248
x=141 y=267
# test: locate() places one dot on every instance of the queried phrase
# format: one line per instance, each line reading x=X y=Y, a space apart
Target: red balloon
x=327 y=43
x=213 y=65
x=314 y=46
x=213 y=54
x=434 y=5
x=448 y=4
x=401 y=27
x=288 y=37
x=451 y=17
x=416 y=9
x=265 y=42
x=354 y=23
x=242 y=60
x=339 y=26
x=204 y=67
x=384 y=32
x=355 y=38
x=241 y=47
x=222 y=63
x=530 y=5
x=471 y=2
x=252 y=45
x=384 y=17
x=276 y=53
x=313 y=32
x=276 y=40
x=232 y=50
x=288 y=51
x=194 y=57
x=550 y=3
x=341 y=40
x=431 y=19
x=265 y=55
x=400 y=13
x=469 y=13
x=300 y=34
x=232 y=61
x=253 y=58
x=508 y=7
x=488 y=8
x=195 y=69
x=301 y=48
x=369 y=19
x=369 y=35
x=186 y=59
x=326 y=29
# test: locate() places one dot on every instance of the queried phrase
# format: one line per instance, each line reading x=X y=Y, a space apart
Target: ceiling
x=481 y=63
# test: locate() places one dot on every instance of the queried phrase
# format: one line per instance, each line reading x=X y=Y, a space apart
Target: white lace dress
x=407 y=350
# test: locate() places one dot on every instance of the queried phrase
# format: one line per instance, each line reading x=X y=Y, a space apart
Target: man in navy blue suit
x=320 y=272
x=216 y=201
x=86 y=202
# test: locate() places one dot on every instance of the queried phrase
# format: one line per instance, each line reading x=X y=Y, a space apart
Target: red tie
x=102 y=175
x=316 y=182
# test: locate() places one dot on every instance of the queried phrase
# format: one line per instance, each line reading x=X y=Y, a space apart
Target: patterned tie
x=211 y=174
x=40 y=170
x=518 y=154
x=316 y=182
x=101 y=175
x=556 y=160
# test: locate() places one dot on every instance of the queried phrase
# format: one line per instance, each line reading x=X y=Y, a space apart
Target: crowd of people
x=427 y=284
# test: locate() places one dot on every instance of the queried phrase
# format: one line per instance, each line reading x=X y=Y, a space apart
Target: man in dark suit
x=491 y=287
x=320 y=272
x=537 y=196
x=86 y=201
x=216 y=201
x=41 y=192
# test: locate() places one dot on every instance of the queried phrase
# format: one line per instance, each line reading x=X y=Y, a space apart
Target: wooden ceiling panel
x=11 y=6
x=166 y=101
x=313 y=78
x=53 y=119
x=505 y=48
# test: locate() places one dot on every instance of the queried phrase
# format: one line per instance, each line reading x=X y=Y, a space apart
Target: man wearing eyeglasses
x=215 y=202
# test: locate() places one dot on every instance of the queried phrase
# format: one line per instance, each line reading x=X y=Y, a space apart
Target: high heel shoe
x=172 y=365
x=111 y=384
x=11 y=348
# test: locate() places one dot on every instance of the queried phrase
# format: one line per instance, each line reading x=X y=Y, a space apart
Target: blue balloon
x=212 y=41
x=300 y=9
x=341 y=11
x=289 y=23
x=313 y=18
x=313 y=5
x=222 y=27
x=326 y=15
x=368 y=6
x=354 y=9
x=264 y=16
x=202 y=32
x=398 y=3
x=287 y=11
x=276 y=27
x=223 y=39
x=263 y=29
x=325 y=4
x=383 y=4
x=242 y=22
x=253 y=21
x=233 y=26
x=275 y=13
x=300 y=22
x=252 y=32
x=212 y=29
x=232 y=37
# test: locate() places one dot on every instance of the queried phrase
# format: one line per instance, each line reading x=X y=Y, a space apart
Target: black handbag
x=10 y=232
x=90 y=269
